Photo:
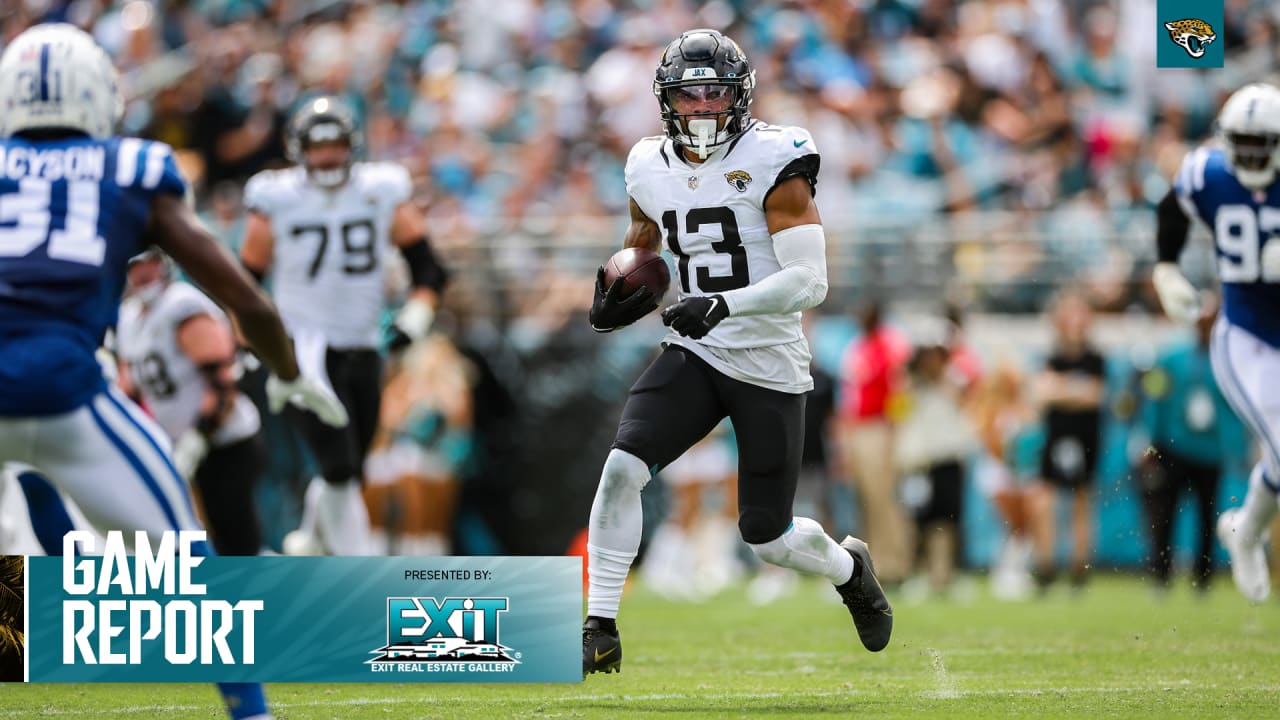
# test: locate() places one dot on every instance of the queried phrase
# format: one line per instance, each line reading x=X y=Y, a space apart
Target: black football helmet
x=323 y=119
x=706 y=68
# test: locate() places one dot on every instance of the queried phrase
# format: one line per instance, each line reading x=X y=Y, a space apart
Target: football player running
x=733 y=197
x=1232 y=189
x=323 y=229
x=76 y=202
x=178 y=354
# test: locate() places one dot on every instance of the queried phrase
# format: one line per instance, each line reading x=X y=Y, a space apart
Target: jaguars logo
x=1191 y=34
x=739 y=179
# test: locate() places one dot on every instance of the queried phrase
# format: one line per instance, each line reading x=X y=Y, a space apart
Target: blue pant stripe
x=136 y=464
x=1238 y=399
x=49 y=517
x=164 y=456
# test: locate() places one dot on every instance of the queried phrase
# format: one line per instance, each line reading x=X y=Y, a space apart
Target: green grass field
x=1112 y=652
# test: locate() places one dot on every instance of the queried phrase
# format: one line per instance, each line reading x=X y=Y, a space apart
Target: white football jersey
x=171 y=384
x=712 y=217
x=328 y=274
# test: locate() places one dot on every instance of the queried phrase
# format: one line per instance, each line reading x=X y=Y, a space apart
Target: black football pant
x=678 y=400
x=225 y=481
x=356 y=378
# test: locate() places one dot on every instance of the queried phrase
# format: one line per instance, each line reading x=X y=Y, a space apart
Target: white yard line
x=152 y=710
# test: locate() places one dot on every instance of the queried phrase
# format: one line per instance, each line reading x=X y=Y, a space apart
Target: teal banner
x=1189 y=34
x=174 y=618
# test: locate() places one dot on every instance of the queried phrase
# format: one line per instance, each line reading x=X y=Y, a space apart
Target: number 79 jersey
x=328 y=271
x=1244 y=224
x=713 y=220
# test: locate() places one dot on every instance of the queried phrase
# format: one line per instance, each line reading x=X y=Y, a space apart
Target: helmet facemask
x=330 y=139
x=324 y=128
x=1254 y=157
x=701 y=115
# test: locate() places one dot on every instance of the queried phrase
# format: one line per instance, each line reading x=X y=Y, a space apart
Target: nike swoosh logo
x=600 y=656
x=798 y=143
x=715 y=301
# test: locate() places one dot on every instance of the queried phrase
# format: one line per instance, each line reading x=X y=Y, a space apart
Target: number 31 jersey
x=713 y=221
x=1244 y=224
x=72 y=213
x=329 y=268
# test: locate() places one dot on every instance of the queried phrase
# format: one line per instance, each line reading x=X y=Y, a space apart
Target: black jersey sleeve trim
x=805 y=166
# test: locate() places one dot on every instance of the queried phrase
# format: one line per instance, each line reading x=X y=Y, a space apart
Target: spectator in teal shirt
x=1194 y=434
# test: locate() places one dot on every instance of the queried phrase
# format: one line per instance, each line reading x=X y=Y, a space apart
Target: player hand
x=1177 y=295
x=414 y=319
x=189 y=452
x=694 y=317
x=307 y=394
x=609 y=311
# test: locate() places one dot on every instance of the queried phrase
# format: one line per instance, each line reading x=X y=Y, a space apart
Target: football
x=638 y=267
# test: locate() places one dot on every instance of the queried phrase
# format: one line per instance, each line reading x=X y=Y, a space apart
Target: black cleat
x=601 y=648
x=865 y=599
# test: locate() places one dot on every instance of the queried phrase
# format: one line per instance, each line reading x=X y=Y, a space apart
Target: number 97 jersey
x=1244 y=224
x=712 y=217
x=331 y=248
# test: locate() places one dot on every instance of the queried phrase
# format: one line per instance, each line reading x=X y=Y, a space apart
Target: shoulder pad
x=264 y=190
x=387 y=180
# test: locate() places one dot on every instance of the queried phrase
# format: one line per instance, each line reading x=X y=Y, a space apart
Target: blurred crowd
x=515 y=117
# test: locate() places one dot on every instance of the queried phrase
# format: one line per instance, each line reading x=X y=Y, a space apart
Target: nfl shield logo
x=693 y=182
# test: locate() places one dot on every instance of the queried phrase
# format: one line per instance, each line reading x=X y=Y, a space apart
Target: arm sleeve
x=1172 y=226
x=799 y=285
x=425 y=268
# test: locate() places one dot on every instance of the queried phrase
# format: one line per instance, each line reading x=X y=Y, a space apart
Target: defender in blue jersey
x=1233 y=190
x=75 y=204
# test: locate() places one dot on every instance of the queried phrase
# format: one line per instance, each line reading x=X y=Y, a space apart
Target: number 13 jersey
x=713 y=222
x=331 y=248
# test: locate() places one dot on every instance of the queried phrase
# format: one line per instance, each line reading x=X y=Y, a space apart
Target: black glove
x=610 y=312
x=694 y=317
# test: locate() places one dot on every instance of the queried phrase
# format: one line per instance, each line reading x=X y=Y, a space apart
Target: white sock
x=380 y=542
x=1258 y=508
x=310 y=502
x=807 y=548
x=427 y=544
x=343 y=519
x=613 y=533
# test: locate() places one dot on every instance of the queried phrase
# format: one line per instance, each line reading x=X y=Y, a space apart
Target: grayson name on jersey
x=331 y=247
x=713 y=219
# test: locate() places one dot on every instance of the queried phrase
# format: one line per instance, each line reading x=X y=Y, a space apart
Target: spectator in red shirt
x=870 y=380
